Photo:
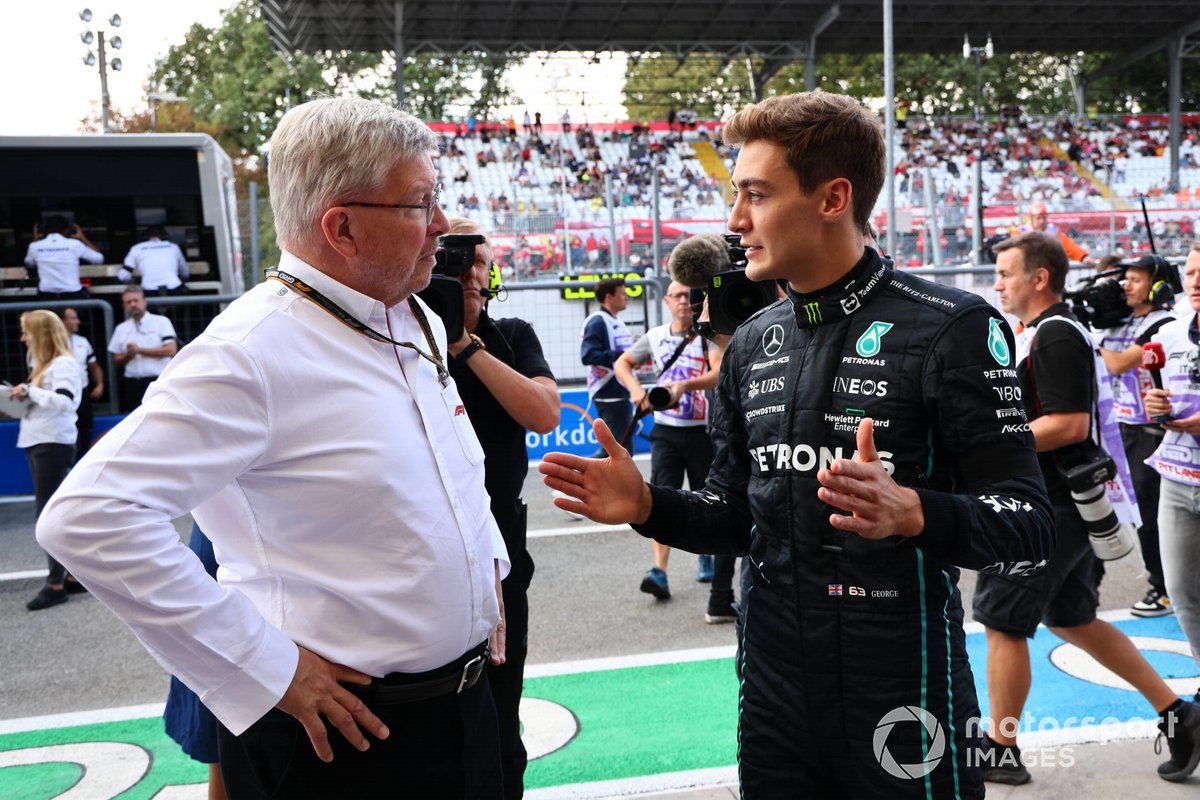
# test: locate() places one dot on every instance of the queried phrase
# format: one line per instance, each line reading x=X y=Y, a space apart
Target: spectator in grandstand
x=508 y=389
x=296 y=398
x=141 y=346
x=687 y=367
x=604 y=338
x=1177 y=458
x=820 y=522
x=1058 y=369
x=1148 y=294
x=537 y=123
x=92 y=377
x=1039 y=220
x=47 y=431
x=526 y=124
x=159 y=262
x=565 y=120
x=54 y=260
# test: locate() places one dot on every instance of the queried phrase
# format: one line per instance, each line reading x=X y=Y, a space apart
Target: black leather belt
x=397 y=688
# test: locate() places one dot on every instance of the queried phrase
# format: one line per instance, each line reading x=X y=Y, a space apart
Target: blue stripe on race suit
x=924 y=663
x=950 y=685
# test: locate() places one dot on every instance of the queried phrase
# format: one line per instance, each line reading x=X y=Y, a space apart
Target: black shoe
x=1181 y=728
x=47 y=597
x=1154 y=604
x=720 y=608
x=74 y=587
x=655 y=583
x=1002 y=764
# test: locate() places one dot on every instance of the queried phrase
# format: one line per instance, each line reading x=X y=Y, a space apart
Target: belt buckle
x=475 y=664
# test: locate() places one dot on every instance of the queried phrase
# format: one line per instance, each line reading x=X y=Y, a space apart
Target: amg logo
x=764 y=364
x=1022 y=428
x=868 y=362
x=805 y=458
x=1001 y=413
x=861 y=386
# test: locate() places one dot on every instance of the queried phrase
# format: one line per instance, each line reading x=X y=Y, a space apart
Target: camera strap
x=347 y=319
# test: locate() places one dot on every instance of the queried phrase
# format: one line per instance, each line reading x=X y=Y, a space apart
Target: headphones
x=1162 y=293
x=494 y=281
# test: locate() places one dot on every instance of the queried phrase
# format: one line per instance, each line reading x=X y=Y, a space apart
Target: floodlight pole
x=103 y=83
x=979 y=53
x=889 y=87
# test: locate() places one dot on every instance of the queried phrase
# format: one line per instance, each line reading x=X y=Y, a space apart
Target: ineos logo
x=772 y=340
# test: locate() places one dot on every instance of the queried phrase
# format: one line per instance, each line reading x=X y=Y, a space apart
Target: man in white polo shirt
x=142 y=345
x=159 y=261
x=56 y=259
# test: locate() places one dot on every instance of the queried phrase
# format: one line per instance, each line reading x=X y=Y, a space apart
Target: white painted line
x=669 y=782
x=23 y=576
x=15 y=498
x=574 y=530
x=625 y=662
x=81 y=718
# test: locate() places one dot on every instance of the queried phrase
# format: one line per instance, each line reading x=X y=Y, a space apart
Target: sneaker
x=1181 y=728
x=704 y=573
x=720 y=609
x=46 y=598
x=655 y=583
x=1154 y=604
x=1002 y=764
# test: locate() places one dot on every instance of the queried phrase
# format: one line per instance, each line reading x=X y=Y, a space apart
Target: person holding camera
x=1056 y=365
x=508 y=389
x=859 y=459
x=1177 y=459
x=687 y=367
x=1149 y=295
x=56 y=259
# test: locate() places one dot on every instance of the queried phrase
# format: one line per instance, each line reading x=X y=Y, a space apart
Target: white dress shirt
x=160 y=263
x=84 y=354
x=50 y=416
x=340 y=483
x=151 y=331
x=57 y=258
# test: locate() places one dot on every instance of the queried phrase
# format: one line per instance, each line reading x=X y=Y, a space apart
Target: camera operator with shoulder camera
x=687 y=366
x=1177 y=459
x=1149 y=293
x=507 y=388
x=1057 y=369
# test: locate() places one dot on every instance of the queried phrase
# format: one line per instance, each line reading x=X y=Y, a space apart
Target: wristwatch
x=474 y=347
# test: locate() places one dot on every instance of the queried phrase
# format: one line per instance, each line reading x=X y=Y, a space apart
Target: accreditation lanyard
x=350 y=321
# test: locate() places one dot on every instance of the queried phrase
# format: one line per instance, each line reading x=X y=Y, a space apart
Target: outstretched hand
x=609 y=490
x=876 y=506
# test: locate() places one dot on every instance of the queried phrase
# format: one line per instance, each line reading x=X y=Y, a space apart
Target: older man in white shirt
x=318 y=440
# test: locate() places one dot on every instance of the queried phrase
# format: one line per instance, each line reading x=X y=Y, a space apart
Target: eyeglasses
x=435 y=202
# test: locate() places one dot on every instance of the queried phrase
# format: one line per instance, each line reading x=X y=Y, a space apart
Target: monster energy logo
x=813 y=310
x=997 y=345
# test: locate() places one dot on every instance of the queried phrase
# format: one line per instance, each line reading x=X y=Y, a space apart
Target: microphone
x=1153 y=360
x=695 y=260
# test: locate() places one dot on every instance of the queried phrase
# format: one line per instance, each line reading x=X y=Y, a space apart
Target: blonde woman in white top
x=48 y=426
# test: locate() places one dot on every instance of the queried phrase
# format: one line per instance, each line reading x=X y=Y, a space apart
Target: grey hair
x=325 y=151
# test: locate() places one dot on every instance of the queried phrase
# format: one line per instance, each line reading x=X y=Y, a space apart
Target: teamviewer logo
x=909 y=715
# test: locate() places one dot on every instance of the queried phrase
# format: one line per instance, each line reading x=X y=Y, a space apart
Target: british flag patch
x=835 y=590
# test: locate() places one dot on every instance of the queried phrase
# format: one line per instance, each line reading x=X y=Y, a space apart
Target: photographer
x=687 y=367
x=1147 y=293
x=1056 y=367
x=507 y=388
x=1178 y=457
x=603 y=339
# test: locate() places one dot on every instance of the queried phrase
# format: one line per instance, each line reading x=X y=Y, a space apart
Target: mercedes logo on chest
x=772 y=340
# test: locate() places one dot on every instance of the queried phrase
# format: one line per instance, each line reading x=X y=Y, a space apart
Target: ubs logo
x=772 y=340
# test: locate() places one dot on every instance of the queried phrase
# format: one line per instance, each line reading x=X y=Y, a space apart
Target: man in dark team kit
x=507 y=388
x=867 y=440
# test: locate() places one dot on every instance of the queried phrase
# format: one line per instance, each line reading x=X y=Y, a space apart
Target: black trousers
x=441 y=748
x=132 y=391
x=1139 y=444
x=48 y=465
x=508 y=679
x=85 y=420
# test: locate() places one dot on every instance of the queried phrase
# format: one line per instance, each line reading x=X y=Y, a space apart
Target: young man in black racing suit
x=869 y=437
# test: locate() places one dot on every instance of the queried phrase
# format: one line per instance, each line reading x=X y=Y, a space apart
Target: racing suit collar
x=844 y=296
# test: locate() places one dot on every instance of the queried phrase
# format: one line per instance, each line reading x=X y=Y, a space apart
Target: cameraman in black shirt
x=1056 y=368
x=507 y=388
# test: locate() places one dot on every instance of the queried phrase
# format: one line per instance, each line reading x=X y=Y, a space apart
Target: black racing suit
x=841 y=631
